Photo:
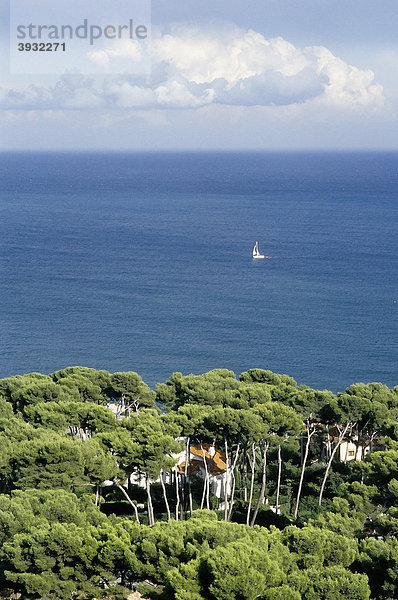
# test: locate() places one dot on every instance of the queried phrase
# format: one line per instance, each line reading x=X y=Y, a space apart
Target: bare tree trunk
x=310 y=433
x=187 y=475
x=231 y=504
x=184 y=489
x=253 y=467
x=263 y=483
x=202 y=503
x=177 y=492
x=165 y=497
x=231 y=500
x=121 y=488
x=190 y=496
x=151 y=516
x=226 y=481
x=208 y=491
x=371 y=440
x=301 y=449
x=337 y=446
x=206 y=485
x=329 y=443
x=346 y=451
x=245 y=475
x=96 y=495
x=187 y=445
x=278 y=486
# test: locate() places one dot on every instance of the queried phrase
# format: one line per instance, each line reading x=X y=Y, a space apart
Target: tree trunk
x=188 y=476
x=253 y=467
x=177 y=492
x=121 y=488
x=263 y=483
x=184 y=489
x=165 y=497
x=310 y=433
x=371 y=439
x=337 y=446
x=151 y=516
x=301 y=449
x=204 y=493
x=231 y=504
x=226 y=481
x=206 y=484
x=346 y=452
x=190 y=496
x=97 y=495
x=278 y=486
x=208 y=491
x=244 y=475
x=329 y=443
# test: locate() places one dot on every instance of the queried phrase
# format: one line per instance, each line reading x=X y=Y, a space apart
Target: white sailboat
x=256 y=252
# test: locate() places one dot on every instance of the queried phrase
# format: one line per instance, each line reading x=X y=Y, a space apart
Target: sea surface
x=143 y=262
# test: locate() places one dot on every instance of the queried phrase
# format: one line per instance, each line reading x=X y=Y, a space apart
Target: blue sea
x=142 y=261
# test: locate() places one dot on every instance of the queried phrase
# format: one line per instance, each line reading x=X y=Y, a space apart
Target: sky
x=226 y=74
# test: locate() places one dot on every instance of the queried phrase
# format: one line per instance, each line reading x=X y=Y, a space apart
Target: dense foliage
x=296 y=498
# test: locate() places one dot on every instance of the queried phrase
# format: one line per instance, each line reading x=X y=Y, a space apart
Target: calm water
x=143 y=262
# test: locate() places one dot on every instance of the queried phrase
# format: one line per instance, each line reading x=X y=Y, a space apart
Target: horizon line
x=196 y=150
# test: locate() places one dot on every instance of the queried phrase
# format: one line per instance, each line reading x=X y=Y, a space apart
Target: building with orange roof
x=205 y=458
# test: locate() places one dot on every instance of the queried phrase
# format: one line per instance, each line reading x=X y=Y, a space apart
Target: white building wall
x=350 y=451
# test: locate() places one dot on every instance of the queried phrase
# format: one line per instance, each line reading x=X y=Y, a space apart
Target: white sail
x=256 y=252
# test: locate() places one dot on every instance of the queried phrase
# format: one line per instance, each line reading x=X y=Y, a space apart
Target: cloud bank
x=192 y=68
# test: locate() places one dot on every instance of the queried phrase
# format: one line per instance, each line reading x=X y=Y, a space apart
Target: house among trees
x=354 y=449
x=206 y=460
x=350 y=448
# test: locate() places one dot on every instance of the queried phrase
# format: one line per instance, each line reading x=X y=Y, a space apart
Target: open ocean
x=143 y=262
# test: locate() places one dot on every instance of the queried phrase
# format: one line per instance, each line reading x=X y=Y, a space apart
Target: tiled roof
x=215 y=464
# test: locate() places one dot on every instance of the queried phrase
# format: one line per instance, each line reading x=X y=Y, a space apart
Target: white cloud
x=235 y=56
x=193 y=68
x=346 y=85
x=176 y=94
x=126 y=95
x=120 y=49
